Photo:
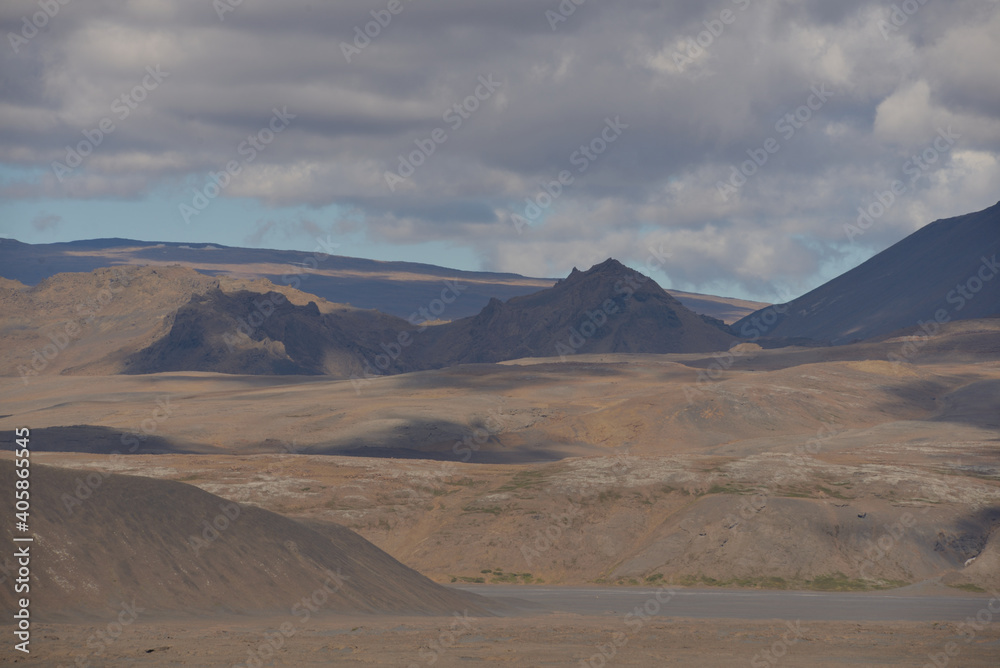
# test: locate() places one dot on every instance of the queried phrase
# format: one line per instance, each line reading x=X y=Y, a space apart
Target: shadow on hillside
x=436 y=440
x=103 y=440
x=500 y=377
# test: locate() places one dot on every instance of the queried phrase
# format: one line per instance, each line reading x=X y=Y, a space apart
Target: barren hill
x=169 y=547
x=157 y=319
x=396 y=288
x=251 y=333
x=608 y=308
x=392 y=287
x=946 y=271
x=98 y=322
x=778 y=467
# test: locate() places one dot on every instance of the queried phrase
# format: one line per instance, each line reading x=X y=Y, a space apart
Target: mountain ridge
x=393 y=287
x=175 y=319
x=929 y=276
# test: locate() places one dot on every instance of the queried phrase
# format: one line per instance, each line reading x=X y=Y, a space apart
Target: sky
x=751 y=148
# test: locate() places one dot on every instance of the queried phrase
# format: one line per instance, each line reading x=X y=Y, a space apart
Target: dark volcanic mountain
x=945 y=271
x=607 y=309
x=251 y=333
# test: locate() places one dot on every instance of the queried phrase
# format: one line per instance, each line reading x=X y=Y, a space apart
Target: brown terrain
x=184 y=550
x=224 y=486
x=655 y=468
x=395 y=288
x=142 y=320
x=779 y=471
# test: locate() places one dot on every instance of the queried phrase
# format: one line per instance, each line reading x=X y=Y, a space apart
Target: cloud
x=45 y=222
x=688 y=126
x=266 y=229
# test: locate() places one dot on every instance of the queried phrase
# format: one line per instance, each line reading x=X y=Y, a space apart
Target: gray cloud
x=44 y=222
x=688 y=126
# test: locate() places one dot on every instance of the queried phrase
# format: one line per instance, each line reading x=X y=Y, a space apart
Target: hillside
x=251 y=333
x=135 y=319
x=147 y=543
x=140 y=320
x=947 y=270
x=608 y=308
x=395 y=288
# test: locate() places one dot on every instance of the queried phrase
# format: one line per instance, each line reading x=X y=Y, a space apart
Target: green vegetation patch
x=730 y=489
x=968 y=586
x=490 y=510
x=524 y=480
x=497 y=576
x=830 y=582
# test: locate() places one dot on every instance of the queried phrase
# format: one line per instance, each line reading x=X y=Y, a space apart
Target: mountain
x=151 y=320
x=131 y=319
x=104 y=541
x=246 y=332
x=608 y=308
x=395 y=288
x=945 y=271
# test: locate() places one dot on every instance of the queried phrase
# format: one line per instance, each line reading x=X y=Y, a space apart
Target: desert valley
x=504 y=333
x=229 y=469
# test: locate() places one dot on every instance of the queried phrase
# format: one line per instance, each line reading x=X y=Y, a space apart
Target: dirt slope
x=148 y=541
x=92 y=323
